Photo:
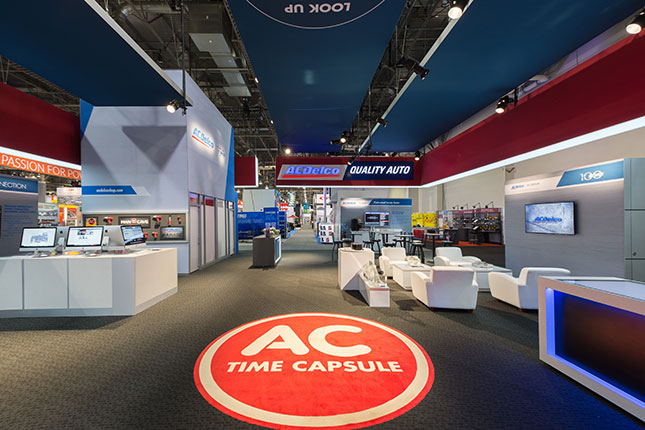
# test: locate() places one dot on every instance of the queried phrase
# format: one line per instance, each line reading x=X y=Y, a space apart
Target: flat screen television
x=550 y=218
x=132 y=234
x=84 y=238
x=171 y=233
x=377 y=218
x=38 y=239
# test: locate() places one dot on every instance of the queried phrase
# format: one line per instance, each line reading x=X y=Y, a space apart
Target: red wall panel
x=246 y=174
x=607 y=89
x=29 y=124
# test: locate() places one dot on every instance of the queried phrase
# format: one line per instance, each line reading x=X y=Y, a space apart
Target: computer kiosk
x=85 y=271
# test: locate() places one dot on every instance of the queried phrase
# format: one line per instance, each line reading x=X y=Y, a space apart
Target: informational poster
x=18 y=209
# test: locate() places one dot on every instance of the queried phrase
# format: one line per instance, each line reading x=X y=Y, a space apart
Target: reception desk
x=593 y=330
x=78 y=285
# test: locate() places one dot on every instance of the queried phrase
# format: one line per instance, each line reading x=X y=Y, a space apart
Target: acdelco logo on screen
x=296 y=371
x=315 y=171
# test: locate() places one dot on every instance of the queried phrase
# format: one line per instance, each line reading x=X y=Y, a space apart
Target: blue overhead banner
x=383 y=170
x=314 y=61
x=591 y=174
x=16 y=184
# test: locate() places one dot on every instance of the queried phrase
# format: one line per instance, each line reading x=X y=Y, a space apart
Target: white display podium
x=350 y=262
x=375 y=296
x=77 y=285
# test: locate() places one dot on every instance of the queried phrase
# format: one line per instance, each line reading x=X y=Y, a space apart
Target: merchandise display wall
x=143 y=160
x=596 y=248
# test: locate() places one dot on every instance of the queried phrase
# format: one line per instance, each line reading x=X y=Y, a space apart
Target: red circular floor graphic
x=314 y=370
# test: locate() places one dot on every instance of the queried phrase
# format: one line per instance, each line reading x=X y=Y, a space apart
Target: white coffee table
x=401 y=273
x=482 y=274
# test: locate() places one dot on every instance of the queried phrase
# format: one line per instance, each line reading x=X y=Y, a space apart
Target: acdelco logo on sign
x=315 y=171
x=201 y=137
x=315 y=371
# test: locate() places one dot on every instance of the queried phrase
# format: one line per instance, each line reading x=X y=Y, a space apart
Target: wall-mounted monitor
x=171 y=233
x=550 y=218
x=84 y=238
x=132 y=235
x=38 y=239
x=377 y=218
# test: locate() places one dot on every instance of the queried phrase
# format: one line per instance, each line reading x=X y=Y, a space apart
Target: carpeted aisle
x=137 y=372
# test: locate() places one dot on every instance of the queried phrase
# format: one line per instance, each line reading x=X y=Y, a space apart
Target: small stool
x=417 y=249
x=400 y=242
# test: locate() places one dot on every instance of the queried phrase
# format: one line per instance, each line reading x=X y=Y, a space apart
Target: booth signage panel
x=385 y=170
x=18 y=185
x=581 y=176
x=314 y=15
x=592 y=174
x=18 y=209
x=30 y=165
x=108 y=190
x=318 y=172
x=276 y=371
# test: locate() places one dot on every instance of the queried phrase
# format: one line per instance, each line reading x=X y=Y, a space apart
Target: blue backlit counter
x=593 y=330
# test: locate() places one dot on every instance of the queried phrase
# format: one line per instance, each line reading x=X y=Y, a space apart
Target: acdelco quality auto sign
x=314 y=370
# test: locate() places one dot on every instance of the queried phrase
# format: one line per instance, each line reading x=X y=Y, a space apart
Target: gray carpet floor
x=137 y=372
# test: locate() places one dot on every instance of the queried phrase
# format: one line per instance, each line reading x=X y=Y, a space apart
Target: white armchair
x=446 y=287
x=521 y=292
x=388 y=256
x=451 y=256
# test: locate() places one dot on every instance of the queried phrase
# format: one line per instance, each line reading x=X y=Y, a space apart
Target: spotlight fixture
x=287 y=151
x=417 y=156
x=350 y=161
x=344 y=137
x=415 y=67
x=637 y=23
x=172 y=106
x=457 y=8
x=382 y=121
x=335 y=142
x=394 y=154
x=257 y=81
x=502 y=104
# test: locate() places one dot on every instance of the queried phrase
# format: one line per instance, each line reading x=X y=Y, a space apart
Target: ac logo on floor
x=314 y=370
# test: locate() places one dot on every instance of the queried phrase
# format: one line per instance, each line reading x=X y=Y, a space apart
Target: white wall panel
x=209 y=225
x=221 y=228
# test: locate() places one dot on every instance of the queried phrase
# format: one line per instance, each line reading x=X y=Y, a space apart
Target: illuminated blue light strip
x=550 y=348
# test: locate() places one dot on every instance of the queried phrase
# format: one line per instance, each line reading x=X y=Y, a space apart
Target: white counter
x=77 y=285
x=591 y=329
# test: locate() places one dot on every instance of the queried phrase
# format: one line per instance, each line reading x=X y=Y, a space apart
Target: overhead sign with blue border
x=357 y=171
x=381 y=170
